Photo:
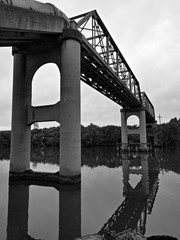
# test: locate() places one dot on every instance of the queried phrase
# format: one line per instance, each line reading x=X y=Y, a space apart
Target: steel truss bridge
x=103 y=67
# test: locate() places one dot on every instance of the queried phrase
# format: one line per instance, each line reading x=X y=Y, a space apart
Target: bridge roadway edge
x=15 y=18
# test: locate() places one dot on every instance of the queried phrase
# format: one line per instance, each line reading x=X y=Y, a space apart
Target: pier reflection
x=139 y=200
x=69 y=211
x=131 y=212
x=17 y=226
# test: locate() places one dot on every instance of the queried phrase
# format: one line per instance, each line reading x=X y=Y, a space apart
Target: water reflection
x=104 y=156
x=4 y=153
x=45 y=155
x=17 y=226
x=118 y=193
x=132 y=212
x=69 y=212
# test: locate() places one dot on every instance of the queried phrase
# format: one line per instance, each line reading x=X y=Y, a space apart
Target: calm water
x=117 y=192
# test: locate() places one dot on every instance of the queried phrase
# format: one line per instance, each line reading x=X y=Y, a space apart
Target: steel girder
x=104 y=67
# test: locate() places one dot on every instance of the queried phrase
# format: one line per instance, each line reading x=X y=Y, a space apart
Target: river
x=117 y=192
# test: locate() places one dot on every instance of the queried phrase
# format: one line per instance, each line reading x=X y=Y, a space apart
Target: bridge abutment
x=141 y=130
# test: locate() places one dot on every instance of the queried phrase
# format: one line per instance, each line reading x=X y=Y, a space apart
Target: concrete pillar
x=143 y=137
x=20 y=132
x=70 y=124
x=141 y=130
x=124 y=135
x=17 y=223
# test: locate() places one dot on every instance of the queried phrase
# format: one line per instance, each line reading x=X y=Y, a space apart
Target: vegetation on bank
x=165 y=135
x=91 y=135
x=168 y=134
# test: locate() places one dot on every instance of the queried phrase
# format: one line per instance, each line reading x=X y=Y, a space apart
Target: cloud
x=46 y=85
x=98 y=109
x=6 y=61
x=150 y=41
x=146 y=32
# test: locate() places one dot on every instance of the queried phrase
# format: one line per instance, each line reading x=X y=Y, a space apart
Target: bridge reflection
x=69 y=212
x=131 y=214
x=138 y=202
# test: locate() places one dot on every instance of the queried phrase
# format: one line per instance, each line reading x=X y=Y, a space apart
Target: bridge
x=82 y=48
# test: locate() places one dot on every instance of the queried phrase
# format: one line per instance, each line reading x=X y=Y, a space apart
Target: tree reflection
x=4 y=153
x=45 y=155
x=104 y=156
x=132 y=212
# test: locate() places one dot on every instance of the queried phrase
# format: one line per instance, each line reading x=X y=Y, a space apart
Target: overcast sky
x=147 y=33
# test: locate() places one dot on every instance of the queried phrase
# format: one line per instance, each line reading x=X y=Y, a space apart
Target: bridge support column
x=66 y=54
x=124 y=134
x=70 y=129
x=20 y=131
x=141 y=130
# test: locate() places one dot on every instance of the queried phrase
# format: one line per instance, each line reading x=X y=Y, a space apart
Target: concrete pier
x=141 y=130
x=70 y=128
x=21 y=132
x=124 y=130
x=67 y=56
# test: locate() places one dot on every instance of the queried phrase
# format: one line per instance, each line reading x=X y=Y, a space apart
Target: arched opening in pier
x=46 y=85
x=46 y=89
x=133 y=122
x=133 y=138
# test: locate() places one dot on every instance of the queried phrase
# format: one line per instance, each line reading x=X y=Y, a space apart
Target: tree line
x=91 y=135
x=165 y=135
x=168 y=134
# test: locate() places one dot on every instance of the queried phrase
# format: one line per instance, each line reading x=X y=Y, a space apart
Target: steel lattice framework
x=104 y=68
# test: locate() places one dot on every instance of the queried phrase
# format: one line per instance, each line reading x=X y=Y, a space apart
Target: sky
x=147 y=33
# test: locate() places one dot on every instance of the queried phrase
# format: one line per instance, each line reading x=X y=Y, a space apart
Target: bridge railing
x=94 y=30
x=147 y=104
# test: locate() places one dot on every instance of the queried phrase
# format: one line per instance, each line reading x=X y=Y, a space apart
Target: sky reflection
x=112 y=187
x=101 y=195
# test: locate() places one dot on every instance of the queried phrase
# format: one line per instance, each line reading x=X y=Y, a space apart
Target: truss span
x=104 y=67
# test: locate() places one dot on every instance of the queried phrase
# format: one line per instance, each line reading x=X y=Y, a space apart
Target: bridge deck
x=100 y=76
